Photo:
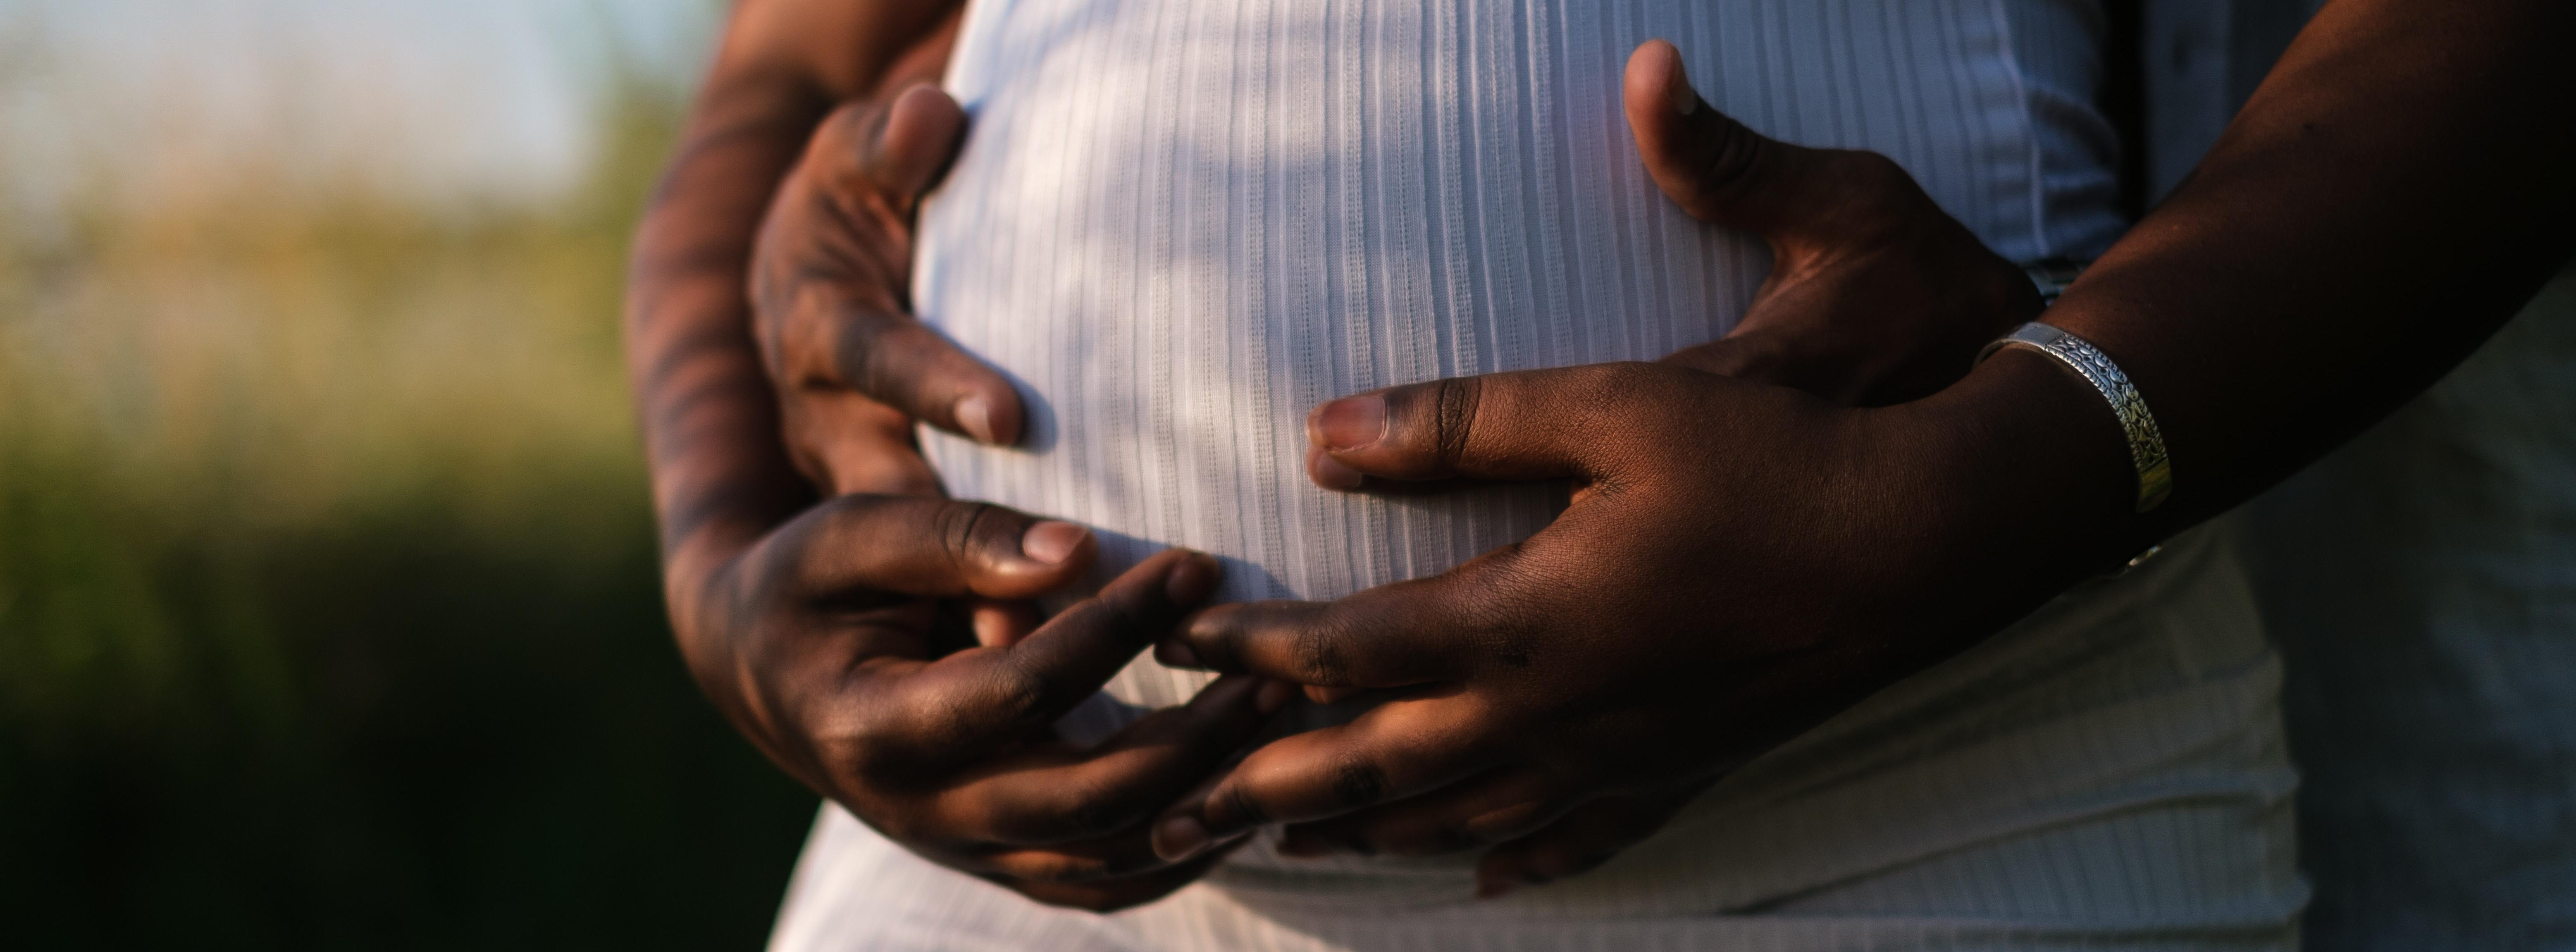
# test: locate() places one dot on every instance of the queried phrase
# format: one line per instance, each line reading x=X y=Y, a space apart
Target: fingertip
x=975 y=417
x=1655 y=75
x=1179 y=837
x=1192 y=578
x=1351 y=423
x=1330 y=473
x=921 y=130
x=1175 y=653
x=1053 y=542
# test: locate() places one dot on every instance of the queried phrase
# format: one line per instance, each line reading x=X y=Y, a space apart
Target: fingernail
x=1179 y=838
x=1177 y=654
x=1192 y=580
x=1331 y=473
x=1052 y=541
x=1685 y=99
x=1352 y=422
x=1274 y=695
x=975 y=416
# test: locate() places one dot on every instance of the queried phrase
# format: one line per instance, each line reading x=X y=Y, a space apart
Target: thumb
x=1717 y=169
x=898 y=148
x=1531 y=424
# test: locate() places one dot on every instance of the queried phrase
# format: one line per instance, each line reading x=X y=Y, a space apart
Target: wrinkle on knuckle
x=1244 y=807
x=1357 y=780
x=1317 y=655
x=1013 y=695
x=1730 y=161
x=955 y=528
x=1454 y=417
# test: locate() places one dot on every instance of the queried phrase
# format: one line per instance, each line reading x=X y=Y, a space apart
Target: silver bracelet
x=2146 y=445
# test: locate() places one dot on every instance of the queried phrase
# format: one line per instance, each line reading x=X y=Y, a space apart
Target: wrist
x=2033 y=468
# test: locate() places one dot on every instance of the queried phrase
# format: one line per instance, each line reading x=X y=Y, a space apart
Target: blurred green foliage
x=329 y=614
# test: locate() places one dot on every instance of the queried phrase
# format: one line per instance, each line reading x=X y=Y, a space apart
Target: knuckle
x=1318 y=658
x=861 y=753
x=957 y=528
x=1014 y=695
x=1357 y=780
x=1730 y=159
x=1454 y=416
x=1246 y=808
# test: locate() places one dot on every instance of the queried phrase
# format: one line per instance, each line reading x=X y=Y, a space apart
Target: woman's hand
x=831 y=300
x=878 y=646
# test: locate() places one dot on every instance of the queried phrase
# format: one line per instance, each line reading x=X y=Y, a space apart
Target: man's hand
x=1739 y=562
x=830 y=294
x=1564 y=697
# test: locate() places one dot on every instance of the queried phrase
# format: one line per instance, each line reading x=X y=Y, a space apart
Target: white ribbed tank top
x=1179 y=224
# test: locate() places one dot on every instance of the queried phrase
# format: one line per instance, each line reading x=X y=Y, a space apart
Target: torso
x=1182 y=223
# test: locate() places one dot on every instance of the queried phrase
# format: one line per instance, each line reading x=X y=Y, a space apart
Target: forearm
x=2396 y=189
x=2391 y=194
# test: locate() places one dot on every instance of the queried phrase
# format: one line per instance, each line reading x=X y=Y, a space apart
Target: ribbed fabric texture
x=1182 y=223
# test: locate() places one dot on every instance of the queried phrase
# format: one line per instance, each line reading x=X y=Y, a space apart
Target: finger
x=1001 y=624
x=930 y=548
x=922 y=132
x=1717 y=169
x=877 y=161
x=1473 y=814
x=1405 y=633
x=1111 y=895
x=846 y=443
x=1046 y=798
x=964 y=704
x=1400 y=749
x=836 y=339
x=1532 y=424
x=894 y=150
x=1125 y=855
x=1583 y=839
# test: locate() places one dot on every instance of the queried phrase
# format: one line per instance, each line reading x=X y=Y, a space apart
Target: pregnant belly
x=1178 y=240
x=1180 y=224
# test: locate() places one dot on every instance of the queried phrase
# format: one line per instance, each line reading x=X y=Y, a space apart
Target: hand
x=1766 y=560
x=1738 y=563
x=1876 y=295
x=842 y=652
x=841 y=637
x=830 y=286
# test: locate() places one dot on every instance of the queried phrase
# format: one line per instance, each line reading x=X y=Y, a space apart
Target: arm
x=832 y=633
x=2385 y=201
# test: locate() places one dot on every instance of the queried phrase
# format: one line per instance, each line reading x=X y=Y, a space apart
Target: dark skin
x=1796 y=555
x=1799 y=553
x=879 y=644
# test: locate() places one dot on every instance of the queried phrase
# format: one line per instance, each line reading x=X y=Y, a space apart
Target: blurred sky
x=452 y=104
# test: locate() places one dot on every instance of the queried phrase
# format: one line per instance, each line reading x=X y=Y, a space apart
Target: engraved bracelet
x=2146 y=445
